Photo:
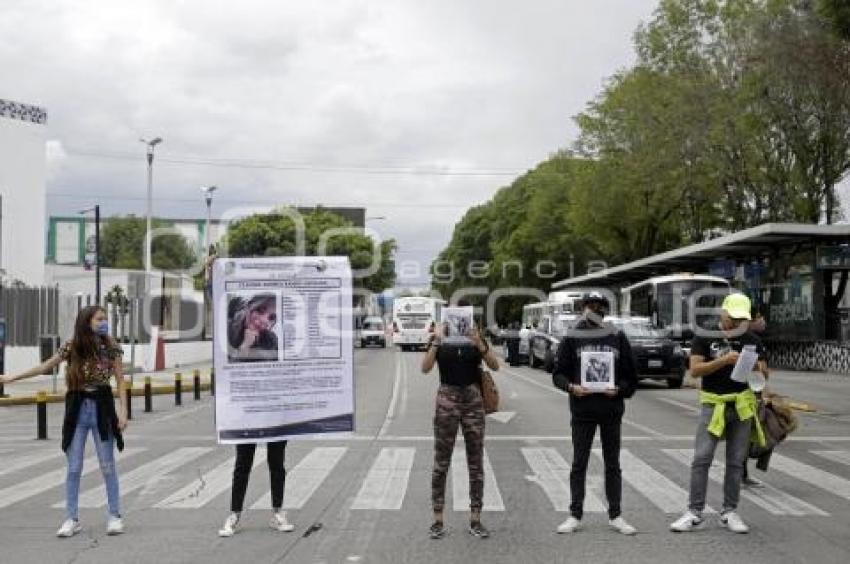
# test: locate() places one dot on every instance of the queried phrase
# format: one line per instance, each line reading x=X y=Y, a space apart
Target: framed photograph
x=457 y=324
x=597 y=371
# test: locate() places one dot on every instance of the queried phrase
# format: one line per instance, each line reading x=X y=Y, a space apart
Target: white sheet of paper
x=744 y=367
x=457 y=323
x=597 y=370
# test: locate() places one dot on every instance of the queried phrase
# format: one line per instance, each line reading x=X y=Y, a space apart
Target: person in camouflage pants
x=462 y=407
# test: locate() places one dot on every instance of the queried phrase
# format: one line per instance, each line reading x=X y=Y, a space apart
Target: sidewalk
x=24 y=392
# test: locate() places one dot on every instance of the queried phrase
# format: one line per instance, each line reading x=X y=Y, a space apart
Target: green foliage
x=274 y=235
x=123 y=246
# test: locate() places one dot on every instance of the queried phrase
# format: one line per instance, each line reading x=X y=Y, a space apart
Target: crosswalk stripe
x=552 y=473
x=40 y=484
x=386 y=483
x=27 y=460
x=769 y=498
x=460 y=484
x=662 y=492
x=141 y=476
x=303 y=480
x=212 y=484
x=811 y=475
x=839 y=456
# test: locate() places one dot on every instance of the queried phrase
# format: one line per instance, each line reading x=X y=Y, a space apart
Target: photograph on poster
x=252 y=328
x=457 y=324
x=597 y=370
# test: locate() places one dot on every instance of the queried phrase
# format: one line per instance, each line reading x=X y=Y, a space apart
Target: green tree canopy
x=123 y=245
x=274 y=235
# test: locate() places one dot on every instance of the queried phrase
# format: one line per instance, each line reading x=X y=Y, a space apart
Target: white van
x=372 y=332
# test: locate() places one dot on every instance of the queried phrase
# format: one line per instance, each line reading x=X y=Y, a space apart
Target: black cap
x=595 y=297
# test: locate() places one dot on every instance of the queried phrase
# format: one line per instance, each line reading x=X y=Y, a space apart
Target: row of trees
x=258 y=235
x=736 y=113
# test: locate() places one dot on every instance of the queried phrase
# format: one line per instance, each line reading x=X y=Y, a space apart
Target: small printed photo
x=597 y=370
x=457 y=323
x=252 y=328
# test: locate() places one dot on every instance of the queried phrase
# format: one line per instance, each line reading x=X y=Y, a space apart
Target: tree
x=123 y=245
x=274 y=234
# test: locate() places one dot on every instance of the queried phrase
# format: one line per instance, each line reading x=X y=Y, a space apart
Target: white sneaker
x=230 y=525
x=686 y=523
x=734 y=523
x=115 y=526
x=621 y=526
x=68 y=529
x=571 y=525
x=280 y=523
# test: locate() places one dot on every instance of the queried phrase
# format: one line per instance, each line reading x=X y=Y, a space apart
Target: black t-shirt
x=720 y=382
x=459 y=365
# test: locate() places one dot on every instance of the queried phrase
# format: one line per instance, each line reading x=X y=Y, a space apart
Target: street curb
x=187 y=386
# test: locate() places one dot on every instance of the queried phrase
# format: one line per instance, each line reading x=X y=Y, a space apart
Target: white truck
x=414 y=319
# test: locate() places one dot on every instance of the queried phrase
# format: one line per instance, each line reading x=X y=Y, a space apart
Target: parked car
x=372 y=332
x=544 y=341
x=656 y=355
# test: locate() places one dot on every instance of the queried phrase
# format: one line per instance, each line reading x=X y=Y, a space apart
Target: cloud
x=430 y=85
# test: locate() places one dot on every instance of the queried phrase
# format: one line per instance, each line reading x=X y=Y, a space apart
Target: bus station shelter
x=795 y=274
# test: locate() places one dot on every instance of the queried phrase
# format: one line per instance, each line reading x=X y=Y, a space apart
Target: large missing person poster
x=282 y=348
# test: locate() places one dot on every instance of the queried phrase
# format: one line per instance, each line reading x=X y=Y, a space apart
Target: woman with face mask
x=250 y=331
x=93 y=359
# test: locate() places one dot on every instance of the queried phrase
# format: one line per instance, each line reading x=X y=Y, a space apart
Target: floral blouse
x=97 y=373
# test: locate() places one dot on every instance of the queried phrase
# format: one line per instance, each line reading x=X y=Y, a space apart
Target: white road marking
x=661 y=491
x=460 y=484
x=386 y=483
x=40 y=484
x=686 y=406
x=216 y=482
x=811 y=475
x=769 y=498
x=394 y=399
x=141 y=476
x=839 y=456
x=502 y=416
x=182 y=412
x=552 y=473
x=303 y=480
x=25 y=461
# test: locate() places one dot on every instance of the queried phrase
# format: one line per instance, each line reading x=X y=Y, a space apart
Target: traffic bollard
x=178 y=389
x=41 y=415
x=148 y=395
x=129 y=389
x=2 y=391
x=196 y=382
x=212 y=381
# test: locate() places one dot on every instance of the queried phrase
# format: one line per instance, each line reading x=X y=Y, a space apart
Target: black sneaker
x=476 y=529
x=437 y=530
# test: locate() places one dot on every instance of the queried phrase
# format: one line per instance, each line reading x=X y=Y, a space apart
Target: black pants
x=583 y=432
x=242 y=472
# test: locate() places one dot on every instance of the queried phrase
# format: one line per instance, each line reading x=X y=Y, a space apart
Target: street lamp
x=149 y=211
x=208 y=196
x=96 y=211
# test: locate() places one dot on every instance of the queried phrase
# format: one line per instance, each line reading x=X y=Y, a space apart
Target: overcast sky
x=310 y=102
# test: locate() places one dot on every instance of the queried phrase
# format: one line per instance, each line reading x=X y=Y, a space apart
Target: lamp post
x=207 y=191
x=96 y=211
x=149 y=209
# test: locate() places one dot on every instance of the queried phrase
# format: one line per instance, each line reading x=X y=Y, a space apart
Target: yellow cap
x=737 y=306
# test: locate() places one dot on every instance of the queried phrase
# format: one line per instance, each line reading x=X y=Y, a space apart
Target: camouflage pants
x=457 y=406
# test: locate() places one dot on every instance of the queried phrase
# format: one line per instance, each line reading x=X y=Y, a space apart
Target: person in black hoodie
x=590 y=409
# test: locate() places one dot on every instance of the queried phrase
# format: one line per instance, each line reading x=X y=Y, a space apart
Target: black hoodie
x=588 y=337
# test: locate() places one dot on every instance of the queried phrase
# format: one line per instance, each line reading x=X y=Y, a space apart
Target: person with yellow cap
x=728 y=411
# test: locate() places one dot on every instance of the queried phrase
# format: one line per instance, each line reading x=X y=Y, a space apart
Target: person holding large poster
x=595 y=360
x=283 y=358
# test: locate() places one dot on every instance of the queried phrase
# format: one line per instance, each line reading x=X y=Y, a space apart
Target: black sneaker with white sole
x=437 y=530
x=476 y=529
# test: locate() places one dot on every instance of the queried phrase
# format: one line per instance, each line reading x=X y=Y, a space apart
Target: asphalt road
x=367 y=498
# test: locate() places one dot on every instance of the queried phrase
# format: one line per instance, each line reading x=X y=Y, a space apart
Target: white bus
x=413 y=320
x=670 y=301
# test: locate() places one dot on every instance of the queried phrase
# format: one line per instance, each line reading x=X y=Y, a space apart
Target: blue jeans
x=87 y=422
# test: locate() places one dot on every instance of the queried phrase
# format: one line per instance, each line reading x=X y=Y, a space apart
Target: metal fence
x=29 y=313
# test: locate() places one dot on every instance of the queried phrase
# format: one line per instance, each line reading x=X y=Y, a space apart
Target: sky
x=414 y=110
